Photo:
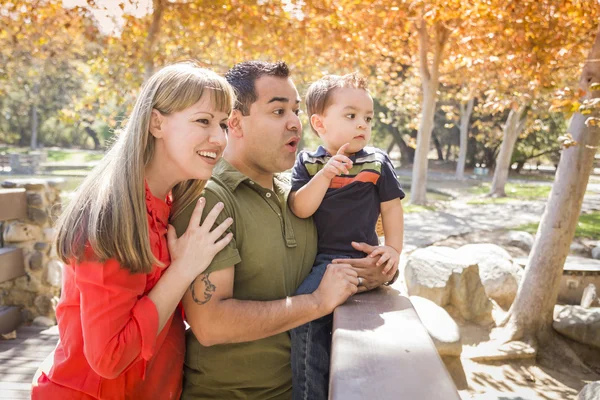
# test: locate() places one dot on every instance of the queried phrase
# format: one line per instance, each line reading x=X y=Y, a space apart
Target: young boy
x=344 y=186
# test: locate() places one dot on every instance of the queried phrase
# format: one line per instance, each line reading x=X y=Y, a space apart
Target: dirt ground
x=513 y=379
x=517 y=379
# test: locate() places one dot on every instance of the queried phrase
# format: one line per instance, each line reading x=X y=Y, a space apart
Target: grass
x=514 y=191
x=412 y=208
x=57 y=155
x=587 y=227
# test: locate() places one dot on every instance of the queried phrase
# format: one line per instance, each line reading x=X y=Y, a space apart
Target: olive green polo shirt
x=272 y=251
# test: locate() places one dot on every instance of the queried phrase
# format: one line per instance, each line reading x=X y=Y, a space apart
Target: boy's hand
x=338 y=164
x=388 y=255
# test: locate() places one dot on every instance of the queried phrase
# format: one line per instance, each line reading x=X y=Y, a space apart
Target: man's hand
x=366 y=268
x=338 y=164
x=338 y=283
x=388 y=257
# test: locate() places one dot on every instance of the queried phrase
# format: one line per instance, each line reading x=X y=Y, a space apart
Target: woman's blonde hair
x=108 y=211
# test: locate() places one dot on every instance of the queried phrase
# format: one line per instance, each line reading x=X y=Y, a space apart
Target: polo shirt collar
x=228 y=174
x=321 y=152
x=231 y=177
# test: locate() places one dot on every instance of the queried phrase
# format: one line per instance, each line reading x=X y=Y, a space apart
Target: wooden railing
x=13 y=205
x=382 y=351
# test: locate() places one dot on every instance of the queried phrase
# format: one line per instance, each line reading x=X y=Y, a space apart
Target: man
x=241 y=308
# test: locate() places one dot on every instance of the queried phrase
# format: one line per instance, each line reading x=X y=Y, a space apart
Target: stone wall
x=37 y=292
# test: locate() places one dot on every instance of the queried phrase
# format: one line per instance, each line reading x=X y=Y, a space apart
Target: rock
x=9 y=185
x=57 y=183
x=54 y=273
x=520 y=239
x=20 y=232
x=436 y=274
x=596 y=253
x=469 y=297
x=499 y=275
x=578 y=323
x=428 y=271
x=44 y=322
x=35 y=199
x=28 y=283
x=49 y=235
x=579 y=249
x=36 y=261
x=591 y=391
x=440 y=325
x=589 y=296
x=43 y=304
x=41 y=246
x=9 y=336
x=37 y=215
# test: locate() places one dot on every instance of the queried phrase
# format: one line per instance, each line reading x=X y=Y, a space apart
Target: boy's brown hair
x=318 y=96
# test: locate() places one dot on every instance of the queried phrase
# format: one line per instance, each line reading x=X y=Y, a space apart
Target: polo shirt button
x=268 y=194
x=251 y=182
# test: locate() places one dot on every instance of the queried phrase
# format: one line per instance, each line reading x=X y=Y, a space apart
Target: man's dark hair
x=244 y=75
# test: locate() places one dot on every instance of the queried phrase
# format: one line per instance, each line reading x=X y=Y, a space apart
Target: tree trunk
x=407 y=153
x=34 y=116
x=34 y=126
x=465 y=117
x=438 y=147
x=153 y=33
x=92 y=133
x=430 y=80
x=390 y=146
x=515 y=123
x=531 y=314
x=449 y=151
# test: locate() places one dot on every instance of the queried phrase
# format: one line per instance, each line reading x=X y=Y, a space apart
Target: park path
x=458 y=217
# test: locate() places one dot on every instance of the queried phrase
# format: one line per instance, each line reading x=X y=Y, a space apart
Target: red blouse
x=109 y=346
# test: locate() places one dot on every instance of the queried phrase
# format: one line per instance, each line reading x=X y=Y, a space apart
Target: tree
x=515 y=124
x=531 y=315
x=465 y=116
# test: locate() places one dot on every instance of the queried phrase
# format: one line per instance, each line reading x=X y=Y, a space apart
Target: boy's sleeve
x=300 y=176
x=388 y=186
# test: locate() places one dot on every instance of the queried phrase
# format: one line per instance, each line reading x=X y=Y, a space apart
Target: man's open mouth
x=293 y=143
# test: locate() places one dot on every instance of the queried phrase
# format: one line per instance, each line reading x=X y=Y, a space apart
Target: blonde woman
x=121 y=332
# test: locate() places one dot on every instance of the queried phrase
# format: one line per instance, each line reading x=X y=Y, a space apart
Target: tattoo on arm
x=209 y=289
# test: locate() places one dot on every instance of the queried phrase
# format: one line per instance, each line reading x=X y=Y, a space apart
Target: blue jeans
x=311 y=343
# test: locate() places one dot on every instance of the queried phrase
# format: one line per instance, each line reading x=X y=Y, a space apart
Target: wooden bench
x=381 y=351
x=13 y=205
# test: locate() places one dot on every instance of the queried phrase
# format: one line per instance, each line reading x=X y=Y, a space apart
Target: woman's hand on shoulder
x=196 y=248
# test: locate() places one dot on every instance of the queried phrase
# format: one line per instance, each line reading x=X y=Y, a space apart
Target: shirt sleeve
x=300 y=175
x=119 y=322
x=230 y=255
x=388 y=186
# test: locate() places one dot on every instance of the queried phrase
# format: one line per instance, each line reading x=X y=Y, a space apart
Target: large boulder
x=440 y=325
x=499 y=274
x=578 y=323
x=591 y=391
x=428 y=272
x=596 y=253
x=440 y=275
x=520 y=239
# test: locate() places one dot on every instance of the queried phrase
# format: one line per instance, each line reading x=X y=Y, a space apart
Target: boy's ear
x=235 y=124
x=316 y=121
x=156 y=120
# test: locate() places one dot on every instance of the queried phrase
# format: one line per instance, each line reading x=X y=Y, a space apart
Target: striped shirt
x=351 y=206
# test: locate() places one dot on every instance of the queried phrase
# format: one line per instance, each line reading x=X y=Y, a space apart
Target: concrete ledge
x=13 y=204
x=12 y=264
x=381 y=351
